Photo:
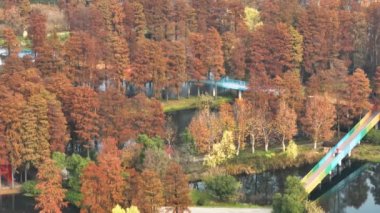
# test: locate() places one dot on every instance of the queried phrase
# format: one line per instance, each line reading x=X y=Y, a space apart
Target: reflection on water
x=359 y=191
x=260 y=188
x=361 y=194
x=23 y=204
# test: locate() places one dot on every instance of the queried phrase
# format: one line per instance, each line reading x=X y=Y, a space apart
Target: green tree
x=223 y=187
x=297 y=44
x=294 y=198
x=151 y=142
x=75 y=165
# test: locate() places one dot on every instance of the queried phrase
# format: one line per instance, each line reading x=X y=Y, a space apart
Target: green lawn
x=367 y=152
x=190 y=103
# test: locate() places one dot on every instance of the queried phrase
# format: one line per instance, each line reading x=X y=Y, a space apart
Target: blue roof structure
x=228 y=83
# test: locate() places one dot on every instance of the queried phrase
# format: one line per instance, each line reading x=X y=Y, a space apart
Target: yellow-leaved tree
x=221 y=151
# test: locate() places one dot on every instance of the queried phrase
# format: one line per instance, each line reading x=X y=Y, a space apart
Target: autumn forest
x=82 y=117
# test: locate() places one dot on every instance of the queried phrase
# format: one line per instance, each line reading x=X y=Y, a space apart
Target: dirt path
x=230 y=210
x=226 y=210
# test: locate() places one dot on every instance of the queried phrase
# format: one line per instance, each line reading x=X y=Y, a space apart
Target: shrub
x=29 y=188
x=373 y=136
x=153 y=143
x=222 y=151
x=201 y=201
x=223 y=187
x=74 y=197
x=294 y=198
x=292 y=150
x=188 y=142
x=200 y=198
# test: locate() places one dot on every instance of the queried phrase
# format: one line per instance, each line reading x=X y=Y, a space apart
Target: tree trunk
x=13 y=179
x=167 y=94
x=88 y=152
x=238 y=147
x=315 y=144
x=283 y=144
x=26 y=171
x=188 y=90
x=338 y=127
x=199 y=92
x=253 y=142
x=266 y=141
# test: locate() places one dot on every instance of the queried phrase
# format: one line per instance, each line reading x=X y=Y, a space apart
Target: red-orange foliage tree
x=214 y=59
x=12 y=43
x=373 y=41
x=144 y=116
x=81 y=53
x=113 y=114
x=234 y=55
x=319 y=25
x=112 y=15
x=285 y=123
x=270 y=50
x=11 y=106
x=175 y=74
x=49 y=183
x=319 y=118
x=376 y=83
x=83 y=106
x=241 y=107
x=150 y=193
x=37 y=30
x=358 y=87
x=200 y=132
x=176 y=188
x=102 y=182
x=58 y=130
x=118 y=59
x=148 y=64
x=195 y=52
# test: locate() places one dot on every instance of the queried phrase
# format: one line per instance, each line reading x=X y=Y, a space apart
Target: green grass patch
x=367 y=152
x=203 y=198
x=25 y=42
x=191 y=103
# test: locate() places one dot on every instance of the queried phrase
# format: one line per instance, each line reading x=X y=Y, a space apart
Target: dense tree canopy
x=75 y=74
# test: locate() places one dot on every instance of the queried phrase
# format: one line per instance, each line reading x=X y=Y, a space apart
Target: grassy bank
x=191 y=103
x=367 y=152
x=260 y=161
x=202 y=198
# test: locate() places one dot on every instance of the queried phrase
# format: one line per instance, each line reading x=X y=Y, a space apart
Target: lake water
x=356 y=189
x=23 y=204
